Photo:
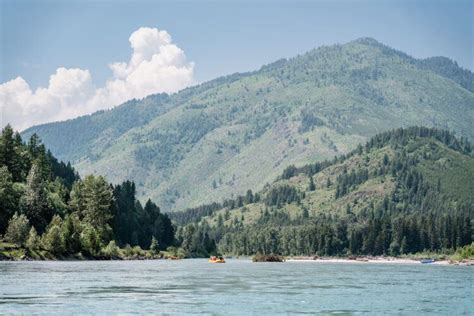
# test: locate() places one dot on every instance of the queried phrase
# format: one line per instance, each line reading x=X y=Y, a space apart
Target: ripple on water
x=238 y=287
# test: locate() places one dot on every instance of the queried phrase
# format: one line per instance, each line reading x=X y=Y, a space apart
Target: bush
x=138 y=251
x=172 y=250
x=90 y=240
x=128 y=251
x=176 y=252
x=111 y=250
x=466 y=252
x=18 y=229
x=181 y=253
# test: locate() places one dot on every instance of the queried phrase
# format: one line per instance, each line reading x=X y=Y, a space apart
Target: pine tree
x=404 y=246
x=112 y=250
x=93 y=201
x=220 y=221
x=311 y=186
x=154 y=246
x=249 y=198
x=34 y=241
x=52 y=239
x=90 y=240
x=8 y=198
x=35 y=200
x=11 y=153
x=71 y=229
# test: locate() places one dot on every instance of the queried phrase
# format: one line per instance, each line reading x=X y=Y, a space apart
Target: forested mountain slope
x=405 y=191
x=237 y=132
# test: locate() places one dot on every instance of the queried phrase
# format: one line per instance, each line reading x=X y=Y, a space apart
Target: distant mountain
x=405 y=191
x=220 y=138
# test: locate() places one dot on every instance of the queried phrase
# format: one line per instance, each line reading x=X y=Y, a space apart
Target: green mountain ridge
x=220 y=138
x=406 y=184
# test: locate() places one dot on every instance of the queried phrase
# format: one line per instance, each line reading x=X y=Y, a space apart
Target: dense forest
x=418 y=213
x=46 y=206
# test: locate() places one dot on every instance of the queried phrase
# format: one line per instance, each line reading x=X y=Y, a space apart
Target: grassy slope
x=244 y=129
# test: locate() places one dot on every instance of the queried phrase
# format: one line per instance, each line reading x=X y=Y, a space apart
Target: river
x=238 y=287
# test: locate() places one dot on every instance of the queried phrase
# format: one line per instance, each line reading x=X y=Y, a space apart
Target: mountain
x=218 y=139
x=404 y=191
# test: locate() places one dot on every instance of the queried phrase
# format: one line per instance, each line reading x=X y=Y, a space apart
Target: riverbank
x=381 y=260
x=13 y=252
x=377 y=260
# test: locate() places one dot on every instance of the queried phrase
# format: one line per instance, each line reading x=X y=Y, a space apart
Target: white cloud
x=156 y=65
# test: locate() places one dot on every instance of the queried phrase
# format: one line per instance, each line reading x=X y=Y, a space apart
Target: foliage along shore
x=14 y=252
x=463 y=256
x=48 y=212
x=11 y=252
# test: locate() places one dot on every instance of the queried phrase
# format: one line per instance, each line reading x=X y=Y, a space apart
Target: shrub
x=138 y=251
x=90 y=240
x=154 y=246
x=128 y=251
x=466 y=252
x=52 y=240
x=111 y=250
x=18 y=229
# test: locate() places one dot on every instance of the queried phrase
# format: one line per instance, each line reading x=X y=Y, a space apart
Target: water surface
x=237 y=287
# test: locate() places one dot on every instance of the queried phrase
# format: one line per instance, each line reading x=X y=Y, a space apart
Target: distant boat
x=425 y=261
x=214 y=259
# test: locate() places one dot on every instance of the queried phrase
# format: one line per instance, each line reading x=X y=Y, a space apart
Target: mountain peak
x=368 y=41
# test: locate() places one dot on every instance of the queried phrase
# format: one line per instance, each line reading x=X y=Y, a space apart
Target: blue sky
x=217 y=37
x=221 y=37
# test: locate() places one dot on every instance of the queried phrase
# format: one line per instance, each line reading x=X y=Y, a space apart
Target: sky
x=61 y=59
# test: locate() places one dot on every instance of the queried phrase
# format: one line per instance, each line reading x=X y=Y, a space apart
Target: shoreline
x=318 y=260
x=381 y=260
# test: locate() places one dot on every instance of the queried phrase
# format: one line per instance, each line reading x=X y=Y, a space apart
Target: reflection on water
x=237 y=287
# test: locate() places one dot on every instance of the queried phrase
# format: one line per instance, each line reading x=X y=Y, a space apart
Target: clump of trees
x=282 y=194
x=198 y=240
x=309 y=121
x=374 y=232
x=45 y=205
x=195 y=214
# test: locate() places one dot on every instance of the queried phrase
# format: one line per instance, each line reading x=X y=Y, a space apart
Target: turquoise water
x=238 y=287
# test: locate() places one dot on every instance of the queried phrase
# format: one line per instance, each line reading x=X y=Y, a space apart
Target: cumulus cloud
x=156 y=65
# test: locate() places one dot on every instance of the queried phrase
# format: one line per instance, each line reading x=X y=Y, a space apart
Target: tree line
x=372 y=233
x=44 y=204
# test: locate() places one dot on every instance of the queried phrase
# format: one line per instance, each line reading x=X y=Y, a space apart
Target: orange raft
x=214 y=259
